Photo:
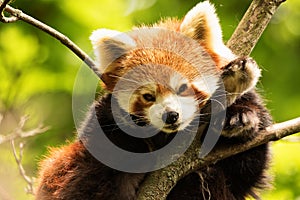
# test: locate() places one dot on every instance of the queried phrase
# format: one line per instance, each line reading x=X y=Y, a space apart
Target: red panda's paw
x=242 y=124
x=239 y=76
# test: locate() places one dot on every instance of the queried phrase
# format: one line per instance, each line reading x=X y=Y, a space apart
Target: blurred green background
x=37 y=74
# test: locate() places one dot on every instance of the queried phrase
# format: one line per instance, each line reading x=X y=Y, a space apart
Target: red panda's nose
x=170 y=117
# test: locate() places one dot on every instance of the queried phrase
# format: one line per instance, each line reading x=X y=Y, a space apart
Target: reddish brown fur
x=139 y=106
x=200 y=96
x=174 y=25
x=170 y=24
x=140 y=57
x=63 y=159
x=163 y=90
x=71 y=171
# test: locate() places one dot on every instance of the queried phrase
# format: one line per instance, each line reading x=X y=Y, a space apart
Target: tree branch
x=19 y=15
x=18 y=158
x=2 y=17
x=252 y=25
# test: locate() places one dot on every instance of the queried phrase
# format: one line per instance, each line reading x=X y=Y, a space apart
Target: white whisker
x=219 y=103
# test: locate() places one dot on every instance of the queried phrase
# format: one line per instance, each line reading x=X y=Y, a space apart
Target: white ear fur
x=202 y=23
x=109 y=45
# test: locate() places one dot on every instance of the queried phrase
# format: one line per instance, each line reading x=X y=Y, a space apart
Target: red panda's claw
x=241 y=125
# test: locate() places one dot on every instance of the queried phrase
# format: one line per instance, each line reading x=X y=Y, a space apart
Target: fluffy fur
x=171 y=95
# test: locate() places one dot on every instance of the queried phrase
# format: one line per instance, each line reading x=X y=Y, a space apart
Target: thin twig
x=54 y=33
x=3 y=5
x=2 y=17
x=18 y=159
x=20 y=133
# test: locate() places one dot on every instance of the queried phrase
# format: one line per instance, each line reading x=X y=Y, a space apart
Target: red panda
x=164 y=77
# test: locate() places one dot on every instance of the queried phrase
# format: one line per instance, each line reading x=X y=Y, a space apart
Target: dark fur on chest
x=75 y=174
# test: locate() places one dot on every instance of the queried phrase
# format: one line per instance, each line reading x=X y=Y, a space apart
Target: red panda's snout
x=173 y=112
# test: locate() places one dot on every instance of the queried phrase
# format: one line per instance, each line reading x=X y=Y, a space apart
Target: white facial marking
x=176 y=81
x=155 y=116
x=124 y=99
x=207 y=84
x=171 y=103
x=168 y=103
x=189 y=108
x=186 y=107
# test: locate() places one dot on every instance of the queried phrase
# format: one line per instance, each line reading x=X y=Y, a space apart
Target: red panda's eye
x=149 y=97
x=182 y=88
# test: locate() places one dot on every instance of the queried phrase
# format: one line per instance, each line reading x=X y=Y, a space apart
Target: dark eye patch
x=149 y=97
x=182 y=88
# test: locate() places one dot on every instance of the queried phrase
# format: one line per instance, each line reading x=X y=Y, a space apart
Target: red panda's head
x=163 y=75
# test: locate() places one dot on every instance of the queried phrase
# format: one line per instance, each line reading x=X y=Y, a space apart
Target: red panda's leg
x=239 y=76
x=246 y=117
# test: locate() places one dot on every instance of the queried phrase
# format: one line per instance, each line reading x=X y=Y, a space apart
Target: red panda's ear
x=202 y=24
x=109 y=45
